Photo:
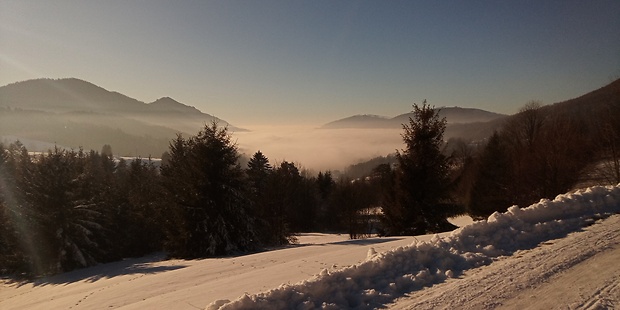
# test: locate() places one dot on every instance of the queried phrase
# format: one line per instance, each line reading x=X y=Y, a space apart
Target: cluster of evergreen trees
x=70 y=209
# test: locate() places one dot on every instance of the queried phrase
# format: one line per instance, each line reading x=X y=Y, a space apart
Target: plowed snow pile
x=384 y=277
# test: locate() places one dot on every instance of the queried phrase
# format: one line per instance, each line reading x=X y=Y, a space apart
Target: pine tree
x=422 y=179
x=259 y=174
x=258 y=171
x=208 y=212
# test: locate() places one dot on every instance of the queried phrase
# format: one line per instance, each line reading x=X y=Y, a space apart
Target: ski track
x=581 y=271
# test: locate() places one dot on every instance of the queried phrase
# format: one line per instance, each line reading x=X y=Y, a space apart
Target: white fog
x=319 y=149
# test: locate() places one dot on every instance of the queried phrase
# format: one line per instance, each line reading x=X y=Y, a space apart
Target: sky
x=268 y=62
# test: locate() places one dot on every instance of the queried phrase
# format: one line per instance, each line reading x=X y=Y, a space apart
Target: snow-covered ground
x=555 y=254
x=581 y=271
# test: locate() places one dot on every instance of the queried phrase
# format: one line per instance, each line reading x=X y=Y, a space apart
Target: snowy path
x=581 y=271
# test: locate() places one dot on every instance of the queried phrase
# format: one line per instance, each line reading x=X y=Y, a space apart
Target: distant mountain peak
x=168 y=104
x=165 y=100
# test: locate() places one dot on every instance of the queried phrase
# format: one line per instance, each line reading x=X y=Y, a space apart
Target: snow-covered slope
x=387 y=276
x=580 y=271
x=512 y=259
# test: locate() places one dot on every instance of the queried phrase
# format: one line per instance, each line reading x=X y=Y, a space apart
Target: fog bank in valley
x=319 y=149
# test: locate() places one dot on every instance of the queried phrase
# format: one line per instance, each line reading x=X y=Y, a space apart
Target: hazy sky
x=309 y=62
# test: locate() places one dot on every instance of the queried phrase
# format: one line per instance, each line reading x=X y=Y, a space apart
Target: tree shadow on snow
x=132 y=266
x=368 y=241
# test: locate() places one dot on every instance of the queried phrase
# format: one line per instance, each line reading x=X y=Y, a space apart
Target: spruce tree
x=208 y=207
x=422 y=179
x=259 y=173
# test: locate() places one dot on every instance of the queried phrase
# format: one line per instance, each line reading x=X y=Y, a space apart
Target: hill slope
x=64 y=95
x=75 y=113
x=602 y=101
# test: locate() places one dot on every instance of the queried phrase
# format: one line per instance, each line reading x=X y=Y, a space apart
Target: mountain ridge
x=76 y=94
x=79 y=114
x=453 y=115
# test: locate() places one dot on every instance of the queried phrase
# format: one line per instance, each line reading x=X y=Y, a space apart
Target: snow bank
x=384 y=277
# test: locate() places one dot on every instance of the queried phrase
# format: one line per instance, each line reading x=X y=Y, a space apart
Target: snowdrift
x=384 y=277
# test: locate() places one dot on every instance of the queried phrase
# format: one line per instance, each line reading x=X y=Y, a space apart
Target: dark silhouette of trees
x=539 y=153
x=64 y=216
x=269 y=209
x=258 y=172
x=327 y=213
x=207 y=200
x=608 y=129
x=523 y=136
x=363 y=169
x=138 y=215
x=294 y=198
x=354 y=201
x=12 y=257
x=106 y=150
x=490 y=191
x=423 y=199
x=547 y=151
x=63 y=210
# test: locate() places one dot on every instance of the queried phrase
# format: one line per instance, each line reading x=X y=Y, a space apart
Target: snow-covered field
x=554 y=254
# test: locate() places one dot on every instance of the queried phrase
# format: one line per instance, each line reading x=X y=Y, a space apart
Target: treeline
x=539 y=153
x=69 y=209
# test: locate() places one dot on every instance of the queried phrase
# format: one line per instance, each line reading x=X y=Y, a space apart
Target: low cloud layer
x=319 y=149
